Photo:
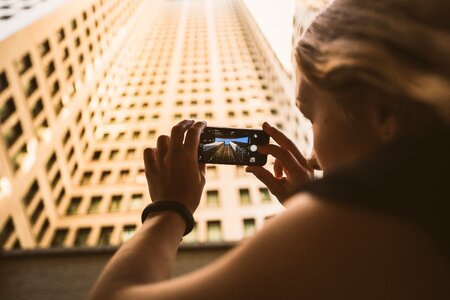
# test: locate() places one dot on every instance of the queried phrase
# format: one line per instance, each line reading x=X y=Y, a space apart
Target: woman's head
x=383 y=64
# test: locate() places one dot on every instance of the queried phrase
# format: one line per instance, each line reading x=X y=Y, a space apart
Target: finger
x=162 y=147
x=284 y=142
x=278 y=168
x=285 y=156
x=149 y=160
x=177 y=135
x=266 y=177
x=193 y=138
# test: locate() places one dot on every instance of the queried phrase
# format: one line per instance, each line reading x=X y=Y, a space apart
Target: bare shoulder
x=317 y=249
x=364 y=250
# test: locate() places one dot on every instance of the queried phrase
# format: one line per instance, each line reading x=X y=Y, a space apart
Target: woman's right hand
x=289 y=161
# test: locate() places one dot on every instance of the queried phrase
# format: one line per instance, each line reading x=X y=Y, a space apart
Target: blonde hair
x=398 y=47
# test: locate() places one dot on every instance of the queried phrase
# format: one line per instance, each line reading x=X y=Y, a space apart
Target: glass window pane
x=212 y=198
x=6 y=232
x=244 y=195
x=128 y=232
x=214 y=231
x=265 y=196
x=32 y=191
x=82 y=236
x=192 y=236
x=7 y=109
x=73 y=206
x=249 y=227
x=95 y=203
x=59 y=237
x=115 y=203
x=105 y=236
x=136 y=202
x=42 y=231
x=13 y=134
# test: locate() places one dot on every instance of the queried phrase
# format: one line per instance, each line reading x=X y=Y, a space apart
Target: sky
x=274 y=17
x=238 y=140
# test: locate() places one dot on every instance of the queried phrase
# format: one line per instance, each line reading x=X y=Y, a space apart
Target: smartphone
x=232 y=146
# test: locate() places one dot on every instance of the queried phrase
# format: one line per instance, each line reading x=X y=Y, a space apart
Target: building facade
x=86 y=86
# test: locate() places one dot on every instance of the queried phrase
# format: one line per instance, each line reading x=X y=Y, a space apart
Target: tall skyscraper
x=85 y=86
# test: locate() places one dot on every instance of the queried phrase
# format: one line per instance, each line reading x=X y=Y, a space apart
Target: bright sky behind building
x=274 y=17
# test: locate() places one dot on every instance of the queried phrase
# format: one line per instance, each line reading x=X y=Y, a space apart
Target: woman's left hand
x=172 y=169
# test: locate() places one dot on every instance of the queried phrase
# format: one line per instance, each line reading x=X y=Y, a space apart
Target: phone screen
x=232 y=146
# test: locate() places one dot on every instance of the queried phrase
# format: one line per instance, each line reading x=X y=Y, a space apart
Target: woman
x=374 y=79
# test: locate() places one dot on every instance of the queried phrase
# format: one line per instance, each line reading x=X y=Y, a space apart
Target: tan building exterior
x=85 y=86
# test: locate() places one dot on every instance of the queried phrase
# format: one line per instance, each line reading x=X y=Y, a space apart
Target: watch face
x=232 y=146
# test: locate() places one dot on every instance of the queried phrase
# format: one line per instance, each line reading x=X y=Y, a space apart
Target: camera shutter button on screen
x=253 y=148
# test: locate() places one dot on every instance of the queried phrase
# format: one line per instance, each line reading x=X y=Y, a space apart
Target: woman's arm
x=313 y=250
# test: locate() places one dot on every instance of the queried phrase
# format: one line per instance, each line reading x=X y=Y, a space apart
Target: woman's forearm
x=147 y=257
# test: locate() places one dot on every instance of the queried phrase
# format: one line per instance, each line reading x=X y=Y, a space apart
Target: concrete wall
x=68 y=274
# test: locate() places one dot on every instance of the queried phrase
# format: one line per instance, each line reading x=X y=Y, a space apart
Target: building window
x=128 y=232
x=18 y=157
x=56 y=180
x=59 y=237
x=214 y=231
x=42 y=231
x=264 y=194
x=244 y=195
x=131 y=153
x=113 y=154
x=105 y=236
x=32 y=191
x=136 y=202
x=211 y=171
x=51 y=162
x=24 y=64
x=82 y=236
x=50 y=69
x=44 y=48
x=192 y=236
x=3 y=82
x=66 y=53
x=37 y=213
x=151 y=134
x=212 y=198
x=31 y=87
x=105 y=176
x=37 y=108
x=86 y=177
x=94 y=205
x=13 y=134
x=96 y=155
x=61 y=35
x=7 y=231
x=74 y=24
x=136 y=135
x=66 y=137
x=123 y=175
x=70 y=154
x=73 y=206
x=115 y=203
x=249 y=227
x=61 y=195
x=7 y=109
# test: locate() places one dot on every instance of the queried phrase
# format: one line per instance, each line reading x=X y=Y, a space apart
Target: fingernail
x=266 y=124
